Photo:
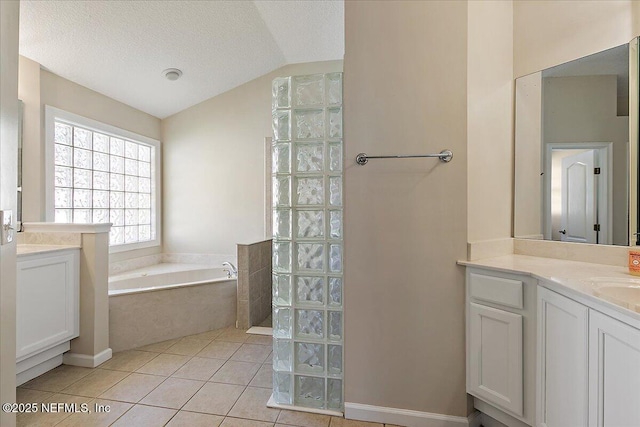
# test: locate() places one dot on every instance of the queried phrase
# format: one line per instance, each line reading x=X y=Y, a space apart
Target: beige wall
x=32 y=141
x=551 y=32
x=39 y=87
x=217 y=148
x=490 y=119
x=9 y=17
x=405 y=220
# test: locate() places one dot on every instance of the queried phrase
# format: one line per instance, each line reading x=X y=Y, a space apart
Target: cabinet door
x=614 y=373
x=495 y=357
x=562 y=370
x=46 y=303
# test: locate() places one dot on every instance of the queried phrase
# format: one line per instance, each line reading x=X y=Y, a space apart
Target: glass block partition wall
x=307 y=241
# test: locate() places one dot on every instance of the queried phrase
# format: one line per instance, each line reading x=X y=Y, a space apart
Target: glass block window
x=104 y=175
x=307 y=166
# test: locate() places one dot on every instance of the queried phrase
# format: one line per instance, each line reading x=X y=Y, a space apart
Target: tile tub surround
x=254 y=283
x=150 y=317
x=151 y=386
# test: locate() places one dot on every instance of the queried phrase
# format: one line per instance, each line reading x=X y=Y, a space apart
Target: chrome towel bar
x=444 y=156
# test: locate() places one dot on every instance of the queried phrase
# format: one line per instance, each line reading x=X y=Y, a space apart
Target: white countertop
x=571 y=278
x=36 y=249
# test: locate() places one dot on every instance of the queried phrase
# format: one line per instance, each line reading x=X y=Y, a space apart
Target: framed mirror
x=576 y=145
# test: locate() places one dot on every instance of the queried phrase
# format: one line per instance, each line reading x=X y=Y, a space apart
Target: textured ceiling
x=120 y=48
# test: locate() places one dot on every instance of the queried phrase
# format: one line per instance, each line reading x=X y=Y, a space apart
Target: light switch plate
x=6 y=221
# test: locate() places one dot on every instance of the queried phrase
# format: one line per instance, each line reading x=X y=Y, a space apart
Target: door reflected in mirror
x=572 y=150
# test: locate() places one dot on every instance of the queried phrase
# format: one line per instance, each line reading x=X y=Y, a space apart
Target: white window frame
x=53 y=113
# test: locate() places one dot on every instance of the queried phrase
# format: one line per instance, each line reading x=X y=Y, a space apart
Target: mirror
x=572 y=150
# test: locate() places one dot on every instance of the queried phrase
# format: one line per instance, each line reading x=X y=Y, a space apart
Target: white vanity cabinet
x=588 y=371
x=47 y=310
x=562 y=365
x=501 y=343
x=614 y=372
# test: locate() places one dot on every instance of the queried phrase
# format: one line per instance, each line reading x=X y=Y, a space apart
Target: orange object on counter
x=634 y=263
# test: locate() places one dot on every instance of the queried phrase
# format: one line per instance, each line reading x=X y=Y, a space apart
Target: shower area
x=307 y=246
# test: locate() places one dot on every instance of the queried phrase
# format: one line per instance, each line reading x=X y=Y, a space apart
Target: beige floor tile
x=97 y=419
x=41 y=418
x=173 y=393
x=194 y=419
x=58 y=378
x=159 y=347
x=236 y=373
x=209 y=335
x=341 y=422
x=219 y=350
x=252 y=353
x=260 y=339
x=264 y=377
x=128 y=361
x=188 y=347
x=133 y=388
x=237 y=422
x=96 y=383
x=303 y=419
x=233 y=335
x=253 y=405
x=199 y=368
x=164 y=364
x=145 y=416
x=25 y=395
x=214 y=398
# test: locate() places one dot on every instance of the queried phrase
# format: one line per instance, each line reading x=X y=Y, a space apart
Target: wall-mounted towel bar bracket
x=444 y=156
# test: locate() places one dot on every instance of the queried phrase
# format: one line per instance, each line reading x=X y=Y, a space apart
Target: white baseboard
x=404 y=417
x=272 y=404
x=85 y=360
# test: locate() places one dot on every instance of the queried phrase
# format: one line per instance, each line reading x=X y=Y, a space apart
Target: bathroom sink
x=624 y=292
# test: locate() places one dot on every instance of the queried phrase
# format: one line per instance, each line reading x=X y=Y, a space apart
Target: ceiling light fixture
x=172 y=74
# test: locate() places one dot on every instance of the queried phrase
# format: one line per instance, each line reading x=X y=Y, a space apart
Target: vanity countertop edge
x=569 y=278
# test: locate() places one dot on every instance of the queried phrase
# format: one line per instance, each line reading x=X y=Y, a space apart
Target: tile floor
x=217 y=378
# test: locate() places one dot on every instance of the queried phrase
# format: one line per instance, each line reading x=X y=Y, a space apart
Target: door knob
x=563 y=231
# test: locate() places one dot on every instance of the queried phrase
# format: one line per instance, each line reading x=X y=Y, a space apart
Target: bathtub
x=170 y=300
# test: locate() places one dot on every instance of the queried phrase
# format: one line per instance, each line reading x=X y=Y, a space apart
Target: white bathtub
x=164 y=276
x=170 y=300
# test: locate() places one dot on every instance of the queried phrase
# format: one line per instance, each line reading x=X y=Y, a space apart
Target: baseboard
x=403 y=417
x=85 y=360
x=475 y=419
x=272 y=404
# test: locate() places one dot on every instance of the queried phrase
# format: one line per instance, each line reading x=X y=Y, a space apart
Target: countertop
x=36 y=249
x=577 y=280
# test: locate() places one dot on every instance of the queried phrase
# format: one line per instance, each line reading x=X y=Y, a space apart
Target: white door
x=562 y=371
x=495 y=357
x=579 y=198
x=614 y=372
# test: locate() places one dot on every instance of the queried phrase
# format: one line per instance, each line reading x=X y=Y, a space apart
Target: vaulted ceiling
x=120 y=48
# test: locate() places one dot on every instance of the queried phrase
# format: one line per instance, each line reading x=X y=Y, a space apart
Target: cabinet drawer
x=506 y=292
